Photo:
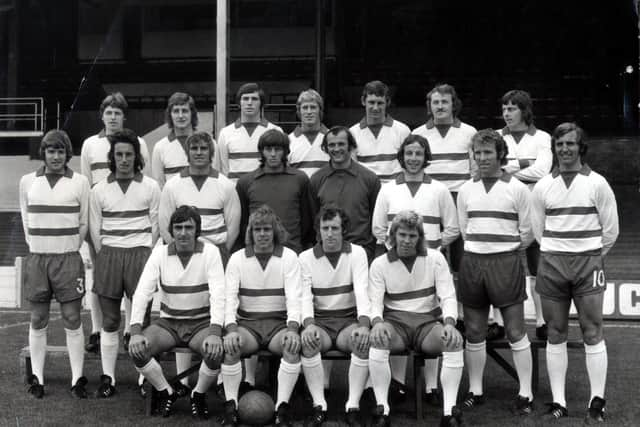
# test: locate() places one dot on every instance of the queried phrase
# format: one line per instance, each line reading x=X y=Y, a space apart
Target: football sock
x=127 y=315
x=475 y=355
x=557 y=361
x=327 y=365
x=497 y=316
x=314 y=375
x=109 y=353
x=287 y=378
x=231 y=378
x=38 y=351
x=452 y=364
x=183 y=362
x=431 y=374
x=398 y=368
x=597 y=362
x=523 y=362
x=206 y=377
x=535 y=296
x=96 y=312
x=358 y=374
x=75 y=347
x=152 y=371
x=250 y=367
x=380 y=373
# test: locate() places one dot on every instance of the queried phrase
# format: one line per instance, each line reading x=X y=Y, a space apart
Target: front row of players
x=328 y=292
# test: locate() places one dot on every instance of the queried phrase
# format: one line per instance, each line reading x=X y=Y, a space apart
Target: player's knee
x=39 y=321
x=71 y=320
x=556 y=335
x=212 y=364
x=514 y=332
x=110 y=321
x=475 y=332
x=290 y=357
x=308 y=351
x=592 y=334
x=140 y=361
x=231 y=358
x=361 y=354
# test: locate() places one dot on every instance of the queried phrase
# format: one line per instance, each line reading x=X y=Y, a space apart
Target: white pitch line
x=51 y=319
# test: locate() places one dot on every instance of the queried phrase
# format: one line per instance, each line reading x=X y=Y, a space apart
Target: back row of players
x=574 y=218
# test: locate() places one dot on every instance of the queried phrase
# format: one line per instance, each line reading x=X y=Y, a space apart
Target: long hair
x=185 y=213
x=523 y=100
x=181 y=98
x=265 y=215
x=57 y=139
x=412 y=221
x=273 y=138
x=487 y=136
x=445 y=89
x=126 y=136
x=114 y=100
x=413 y=138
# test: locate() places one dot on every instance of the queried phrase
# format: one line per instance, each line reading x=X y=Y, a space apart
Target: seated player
x=494 y=216
x=410 y=288
x=190 y=280
x=575 y=220
x=54 y=205
x=262 y=310
x=335 y=311
x=123 y=222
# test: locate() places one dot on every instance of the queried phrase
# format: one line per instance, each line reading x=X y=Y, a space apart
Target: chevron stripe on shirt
x=339 y=291
x=254 y=293
x=168 y=158
x=579 y=218
x=451 y=161
x=124 y=220
x=378 y=153
x=307 y=155
x=52 y=217
x=497 y=220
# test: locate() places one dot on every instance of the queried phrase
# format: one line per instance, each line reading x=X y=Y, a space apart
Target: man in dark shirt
x=281 y=187
x=347 y=184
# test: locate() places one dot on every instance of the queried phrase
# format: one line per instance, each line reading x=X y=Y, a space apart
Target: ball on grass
x=255 y=408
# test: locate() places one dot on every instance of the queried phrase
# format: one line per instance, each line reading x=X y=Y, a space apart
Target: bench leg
x=418 y=384
x=535 y=357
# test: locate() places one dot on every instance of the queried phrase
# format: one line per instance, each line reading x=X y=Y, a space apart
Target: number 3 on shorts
x=80 y=287
x=598 y=278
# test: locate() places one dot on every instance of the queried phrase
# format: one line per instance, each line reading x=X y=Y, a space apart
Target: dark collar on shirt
x=262 y=122
x=172 y=136
x=531 y=130
x=351 y=170
x=392 y=255
x=277 y=251
x=388 y=121
x=287 y=169
x=68 y=173
x=298 y=130
x=585 y=170
x=505 y=177
x=456 y=123
x=213 y=173
x=171 y=249
x=400 y=179
x=102 y=134
x=318 y=252
x=136 y=177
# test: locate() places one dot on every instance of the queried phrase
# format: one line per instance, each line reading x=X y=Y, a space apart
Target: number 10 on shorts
x=598 y=278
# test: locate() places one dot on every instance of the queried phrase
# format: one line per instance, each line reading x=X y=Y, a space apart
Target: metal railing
x=21 y=117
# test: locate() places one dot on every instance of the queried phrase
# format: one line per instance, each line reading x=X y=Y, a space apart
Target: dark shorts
x=487 y=279
x=533 y=258
x=263 y=330
x=334 y=325
x=59 y=275
x=562 y=277
x=182 y=330
x=117 y=270
x=413 y=328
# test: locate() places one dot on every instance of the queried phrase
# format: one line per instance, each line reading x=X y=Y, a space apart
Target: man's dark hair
x=523 y=101
x=185 y=213
x=413 y=138
x=490 y=136
x=445 y=89
x=273 y=138
x=335 y=131
x=181 y=98
x=126 y=136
